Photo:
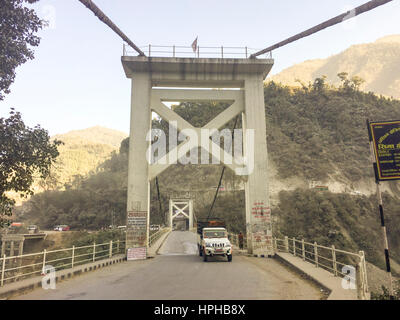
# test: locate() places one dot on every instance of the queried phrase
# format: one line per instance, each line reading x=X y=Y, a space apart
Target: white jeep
x=214 y=242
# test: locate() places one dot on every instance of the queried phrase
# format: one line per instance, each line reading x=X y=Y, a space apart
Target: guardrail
x=336 y=261
x=187 y=52
x=15 y=268
x=157 y=235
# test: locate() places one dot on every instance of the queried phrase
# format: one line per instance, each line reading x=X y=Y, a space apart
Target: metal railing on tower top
x=201 y=52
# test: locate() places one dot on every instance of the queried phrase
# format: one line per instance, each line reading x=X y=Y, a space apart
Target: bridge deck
x=181 y=274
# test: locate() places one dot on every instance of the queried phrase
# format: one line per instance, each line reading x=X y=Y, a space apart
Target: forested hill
x=319 y=133
x=95 y=135
x=82 y=152
x=378 y=63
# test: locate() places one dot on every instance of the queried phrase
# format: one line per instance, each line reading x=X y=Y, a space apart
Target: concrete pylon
x=159 y=80
x=258 y=212
x=138 y=199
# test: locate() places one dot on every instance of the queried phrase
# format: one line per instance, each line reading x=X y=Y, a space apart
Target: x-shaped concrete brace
x=180 y=210
x=164 y=95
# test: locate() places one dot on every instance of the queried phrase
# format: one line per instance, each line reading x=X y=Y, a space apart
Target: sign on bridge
x=136 y=235
x=136 y=254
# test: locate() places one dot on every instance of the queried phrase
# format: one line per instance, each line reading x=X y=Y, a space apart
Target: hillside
x=378 y=63
x=81 y=153
x=94 y=135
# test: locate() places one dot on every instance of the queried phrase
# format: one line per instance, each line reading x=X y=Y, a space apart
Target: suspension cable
x=331 y=22
x=159 y=198
x=222 y=175
x=101 y=15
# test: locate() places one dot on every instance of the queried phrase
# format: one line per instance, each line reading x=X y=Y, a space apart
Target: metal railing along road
x=157 y=235
x=336 y=261
x=15 y=268
x=187 y=52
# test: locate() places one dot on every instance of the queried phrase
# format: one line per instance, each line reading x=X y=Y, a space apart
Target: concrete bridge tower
x=157 y=80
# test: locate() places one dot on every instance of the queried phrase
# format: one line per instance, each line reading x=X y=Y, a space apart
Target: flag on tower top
x=194 y=45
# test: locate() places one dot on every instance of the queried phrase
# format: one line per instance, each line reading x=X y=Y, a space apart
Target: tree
x=18 y=28
x=24 y=153
x=350 y=85
x=357 y=82
x=124 y=148
x=319 y=83
x=343 y=76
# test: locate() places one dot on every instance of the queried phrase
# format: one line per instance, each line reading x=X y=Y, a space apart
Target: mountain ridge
x=378 y=63
x=96 y=134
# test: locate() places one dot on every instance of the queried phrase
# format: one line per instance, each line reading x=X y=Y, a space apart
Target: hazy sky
x=76 y=79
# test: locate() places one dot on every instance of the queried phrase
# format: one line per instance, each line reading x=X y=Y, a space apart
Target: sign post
x=384 y=140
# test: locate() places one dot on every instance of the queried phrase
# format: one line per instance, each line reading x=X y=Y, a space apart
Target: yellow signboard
x=385 y=137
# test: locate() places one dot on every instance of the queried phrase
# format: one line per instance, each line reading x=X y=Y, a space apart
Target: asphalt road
x=179 y=273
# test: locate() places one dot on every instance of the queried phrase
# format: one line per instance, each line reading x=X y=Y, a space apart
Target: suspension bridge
x=166 y=264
